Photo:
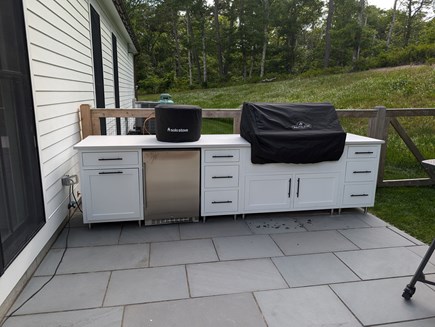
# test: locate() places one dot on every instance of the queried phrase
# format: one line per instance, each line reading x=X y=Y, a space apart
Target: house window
x=21 y=201
x=97 y=53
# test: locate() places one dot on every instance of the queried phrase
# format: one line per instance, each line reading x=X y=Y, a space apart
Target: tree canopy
x=198 y=43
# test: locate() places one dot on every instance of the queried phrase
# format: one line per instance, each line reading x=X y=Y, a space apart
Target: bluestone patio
x=275 y=270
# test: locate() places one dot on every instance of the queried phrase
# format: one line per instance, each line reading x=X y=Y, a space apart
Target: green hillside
x=400 y=87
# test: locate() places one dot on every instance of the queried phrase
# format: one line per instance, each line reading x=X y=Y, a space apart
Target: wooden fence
x=380 y=118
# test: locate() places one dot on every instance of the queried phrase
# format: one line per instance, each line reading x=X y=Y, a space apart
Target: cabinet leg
x=366 y=210
x=235 y=217
x=332 y=212
x=243 y=216
x=140 y=223
x=203 y=219
x=89 y=226
x=339 y=211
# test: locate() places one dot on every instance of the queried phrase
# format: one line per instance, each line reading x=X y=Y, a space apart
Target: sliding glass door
x=21 y=201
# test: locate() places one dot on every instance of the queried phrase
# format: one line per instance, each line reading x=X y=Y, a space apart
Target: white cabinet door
x=316 y=190
x=268 y=193
x=111 y=195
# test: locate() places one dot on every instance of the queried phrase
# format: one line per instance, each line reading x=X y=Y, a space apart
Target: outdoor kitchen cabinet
x=111 y=186
x=360 y=176
x=112 y=182
x=316 y=191
x=286 y=192
x=220 y=181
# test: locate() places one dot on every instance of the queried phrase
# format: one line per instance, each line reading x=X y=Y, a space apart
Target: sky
x=383 y=4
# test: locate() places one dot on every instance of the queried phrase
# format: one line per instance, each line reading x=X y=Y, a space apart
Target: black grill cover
x=178 y=123
x=292 y=132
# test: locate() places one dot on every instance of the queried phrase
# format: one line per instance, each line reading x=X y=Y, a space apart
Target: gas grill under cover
x=292 y=132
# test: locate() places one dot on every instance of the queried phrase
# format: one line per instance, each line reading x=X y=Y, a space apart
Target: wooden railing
x=379 y=119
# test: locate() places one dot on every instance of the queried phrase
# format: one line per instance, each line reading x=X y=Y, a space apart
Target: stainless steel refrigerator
x=171 y=185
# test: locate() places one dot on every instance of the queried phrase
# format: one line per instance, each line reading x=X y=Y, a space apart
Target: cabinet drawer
x=220 y=201
x=359 y=194
x=224 y=155
x=102 y=159
x=221 y=176
x=363 y=151
x=361 y=171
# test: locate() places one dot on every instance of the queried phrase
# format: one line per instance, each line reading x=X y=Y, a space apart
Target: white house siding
x=125 y=68
x=61 y=66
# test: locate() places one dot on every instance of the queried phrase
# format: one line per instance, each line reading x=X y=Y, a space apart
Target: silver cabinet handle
x=217 y=202
x=364 y=152
x=225 y=156
x=110 y=172
x=216 y=177
x=354 y=195
x=362 y=171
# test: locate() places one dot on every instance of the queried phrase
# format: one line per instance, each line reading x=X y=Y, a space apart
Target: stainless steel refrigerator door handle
x=144 y=172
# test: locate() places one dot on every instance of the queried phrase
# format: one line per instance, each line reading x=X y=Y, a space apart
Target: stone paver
x=380 y=301
x=313 y=269
x=246 y=247
x=313 y=242
x=233 y=277
x=304 y=307
x=102 y=317
x=146 y=285
x=214 y=311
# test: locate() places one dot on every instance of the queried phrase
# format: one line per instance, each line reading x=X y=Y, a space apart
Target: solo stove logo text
x=178 y=130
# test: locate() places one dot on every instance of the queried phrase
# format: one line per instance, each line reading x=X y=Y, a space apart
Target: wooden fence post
x=236 y=123
x=379 y=130
x=85 y=114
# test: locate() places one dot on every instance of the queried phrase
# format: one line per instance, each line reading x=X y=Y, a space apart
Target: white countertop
x=206 y=141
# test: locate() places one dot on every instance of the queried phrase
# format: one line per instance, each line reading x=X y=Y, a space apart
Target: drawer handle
x=364 y=152
x=110 y=172
x=354 y=195
x=362 y=171
x=216 y=177
x=226 y=156
x=109 y=159
x=289 y=187
x=297 y=191
x=218 y=202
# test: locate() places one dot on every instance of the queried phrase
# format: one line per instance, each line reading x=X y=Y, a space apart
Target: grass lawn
x=411 y=209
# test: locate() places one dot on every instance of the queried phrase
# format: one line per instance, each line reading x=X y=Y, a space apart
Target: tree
x=294 y=19
x=266 y=12
x=393 y=19
x=361 y=24
x=218 y=39
x=413 y=9
x=331 y=8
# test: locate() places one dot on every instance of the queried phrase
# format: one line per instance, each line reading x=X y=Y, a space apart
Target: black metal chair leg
x=409 y=290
